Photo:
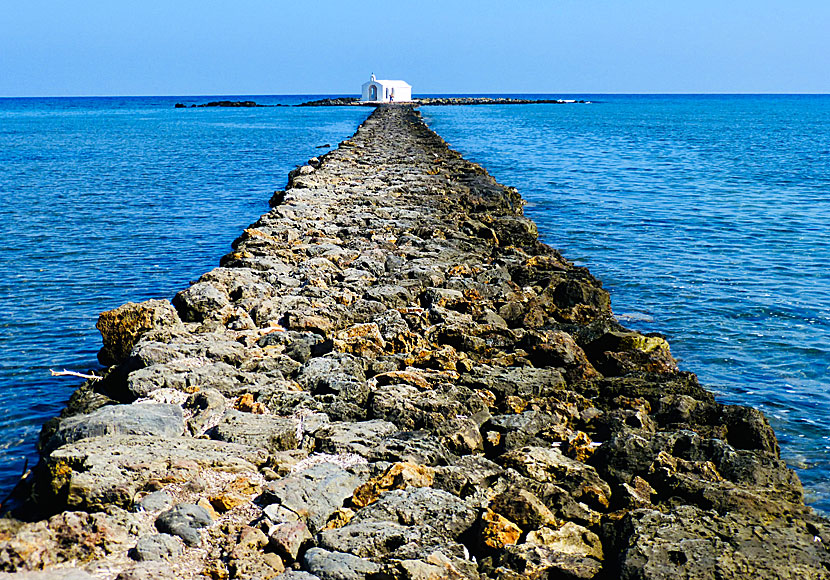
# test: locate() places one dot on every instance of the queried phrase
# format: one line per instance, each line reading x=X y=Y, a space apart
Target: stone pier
x=391 y=377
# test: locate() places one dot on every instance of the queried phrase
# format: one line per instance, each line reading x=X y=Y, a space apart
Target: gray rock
x=297 y=575
x=527 y=428
x=299 y=346
x=337 y=565
x=521 y=382
x=96 y=473
x=421 y=505
x=184 y=520
x=53 y=574
x=689 y=542
x=137 y=419
x=206 y=405
x=393 y=296
x=266 y=431
x=200 y=302
x=548 y=464
x=361 y=437
x=377 y=539
x=317 y=374
x=156 y=547
x=419 y=447
x=313 y=494
x=411 y=408
x=147 y=571
x=468 y=475
x=155 y=501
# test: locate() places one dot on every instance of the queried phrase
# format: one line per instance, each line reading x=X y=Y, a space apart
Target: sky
x=264 y=47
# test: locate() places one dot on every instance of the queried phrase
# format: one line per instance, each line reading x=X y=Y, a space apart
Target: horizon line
x=417 y=95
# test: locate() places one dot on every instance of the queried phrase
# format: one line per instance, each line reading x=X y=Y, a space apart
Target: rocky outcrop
x=427 y=101
x=391 y=377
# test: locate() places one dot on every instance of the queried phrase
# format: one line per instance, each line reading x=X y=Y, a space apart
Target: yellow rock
x=339 y=519
x=246 y=404
x=497 y=531
x=403 y=377
x=204 y=503
x=399 y=476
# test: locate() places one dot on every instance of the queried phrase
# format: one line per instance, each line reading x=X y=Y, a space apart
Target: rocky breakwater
x=390 y=377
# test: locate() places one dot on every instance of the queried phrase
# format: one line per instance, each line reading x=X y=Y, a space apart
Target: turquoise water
x=105 y=201
x=705 y=216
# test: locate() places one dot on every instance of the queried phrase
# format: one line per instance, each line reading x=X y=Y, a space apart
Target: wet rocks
x=389 y=376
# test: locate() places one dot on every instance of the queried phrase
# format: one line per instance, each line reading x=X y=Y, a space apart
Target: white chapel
x=386 y=91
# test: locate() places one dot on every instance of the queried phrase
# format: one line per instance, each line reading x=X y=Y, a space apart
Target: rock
x=568 y=539
x=207 y=407
x=147 y=571
x=410 y=408
x=505 y=432
x=550 y=465
x=620 y=353
x=418 y=447
x=200 y=302
x=360 y=437
x=288 y=538
x=497 y=531
x=374 y=539
x=537 y=561
x=398 y=476
x=156 y=547
x=467 y=476
x=255 y=565
x=521 y=382
x=155 y=501
x=689 y=542
x=136 y=419
x=298 y=575
x=421 y=505
x=122 y=327
x=100 y=472
x=265 y=431
x=64 y=538
x=317 y=375
x=184 y=520
x=337 y=565
x=313 y=494
x=238 y=492
x=523 y=508
x=52 y=574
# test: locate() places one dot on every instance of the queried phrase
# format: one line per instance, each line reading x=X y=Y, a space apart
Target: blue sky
x=189 y=47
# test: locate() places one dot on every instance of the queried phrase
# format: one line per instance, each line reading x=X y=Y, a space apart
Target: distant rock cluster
x=222 y=104
x=391 y=377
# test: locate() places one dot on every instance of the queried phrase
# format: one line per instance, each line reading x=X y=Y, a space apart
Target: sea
x=707 y=217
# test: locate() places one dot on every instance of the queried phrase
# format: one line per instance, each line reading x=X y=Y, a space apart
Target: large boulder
x=163 y=420
x=123 y=326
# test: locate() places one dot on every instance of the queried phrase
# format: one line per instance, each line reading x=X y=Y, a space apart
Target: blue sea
x=706 y=217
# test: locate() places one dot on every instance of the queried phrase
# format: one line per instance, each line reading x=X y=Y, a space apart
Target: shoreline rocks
x=390 y=376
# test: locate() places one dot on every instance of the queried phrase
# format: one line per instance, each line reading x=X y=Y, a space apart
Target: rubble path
x=390 y=377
